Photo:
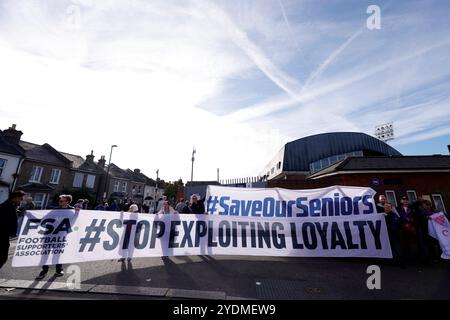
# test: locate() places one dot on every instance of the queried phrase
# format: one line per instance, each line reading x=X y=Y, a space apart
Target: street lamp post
x=156 y=191
x=105 y=193
x=192 y=168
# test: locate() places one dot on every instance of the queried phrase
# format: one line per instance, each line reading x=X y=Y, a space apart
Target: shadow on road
x=345 y=278
x=176 y=275
x=43 y=288
x=127 y=274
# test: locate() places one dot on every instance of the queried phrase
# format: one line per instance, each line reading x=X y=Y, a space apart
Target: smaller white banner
x=439 y=228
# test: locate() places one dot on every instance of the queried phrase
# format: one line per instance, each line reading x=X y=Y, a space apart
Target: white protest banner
x=275 y=202
x=64 y=236
x=439 y=228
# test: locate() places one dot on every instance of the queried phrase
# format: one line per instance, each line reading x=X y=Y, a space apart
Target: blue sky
x=235 y=79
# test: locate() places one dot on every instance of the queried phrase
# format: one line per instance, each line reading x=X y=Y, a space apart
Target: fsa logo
x=47 y=226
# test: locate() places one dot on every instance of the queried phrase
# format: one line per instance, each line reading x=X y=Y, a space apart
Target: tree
x=171 y=189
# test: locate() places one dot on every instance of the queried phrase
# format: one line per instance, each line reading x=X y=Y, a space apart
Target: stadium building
x=358 y=159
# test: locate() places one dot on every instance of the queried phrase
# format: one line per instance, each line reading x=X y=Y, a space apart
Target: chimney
x=102 y=161
x=90 y=157
x=12 y=135
x=137 y=171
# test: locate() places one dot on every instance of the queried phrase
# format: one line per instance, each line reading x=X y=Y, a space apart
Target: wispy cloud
x=328 y=86
x=425 y=135
x=257 y=56
x=159 y=77
x=318 y=72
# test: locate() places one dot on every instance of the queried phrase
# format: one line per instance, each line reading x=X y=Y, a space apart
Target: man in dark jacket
x=430 y=248
x=410 y=229
x=197 y=206
x=8 y=223
x=186 y=208
x=381 y=202
x=393 y=223
x=64 y=203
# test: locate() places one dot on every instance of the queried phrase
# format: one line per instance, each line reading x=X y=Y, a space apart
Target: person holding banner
x=8 y=225
x=381 y=202
x=79 y=204
x=409 y=231
x=430 y=244
x=186 y=208
x=64 y=203
x=197 y=206
x=133 y=208
x=393 y=223
x=180 y=205
x=167 y=208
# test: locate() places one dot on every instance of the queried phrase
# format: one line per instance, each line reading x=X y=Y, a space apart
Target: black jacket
x=198 y=208
x=186 y=209
x=8 y=219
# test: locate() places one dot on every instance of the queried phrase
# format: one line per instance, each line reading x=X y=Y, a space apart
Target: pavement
x=229 y=278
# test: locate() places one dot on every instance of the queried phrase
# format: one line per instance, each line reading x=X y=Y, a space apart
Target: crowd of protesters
x=163 y=206
x=407 y=224
x=407 y=227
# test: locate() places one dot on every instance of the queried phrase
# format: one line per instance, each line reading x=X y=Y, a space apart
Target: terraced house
x=87 y=177
x=44 y=172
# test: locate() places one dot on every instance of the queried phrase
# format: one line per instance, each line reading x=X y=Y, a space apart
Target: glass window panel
x=411 y=194
x=78 y=180
x=390 y=195
x=438 y=203
x=90 y=181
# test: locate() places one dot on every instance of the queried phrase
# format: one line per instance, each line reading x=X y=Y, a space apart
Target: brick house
x=118 y=184
x=11 y=158
x=45 y=173
x=152 y=191
x=137 y=186
x=132 y=185
x=87 y=177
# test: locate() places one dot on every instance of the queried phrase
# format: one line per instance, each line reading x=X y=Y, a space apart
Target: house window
x=438 y=203
x=39 y=200
x=36 y=174
x=2 y=165
x=54 y=176
x=272 y=170
x=90 y=181
x=78 y=180
x=116 y=186
x=124 y=187
x=390 y=195
x=279 y=165
x=411 y=194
